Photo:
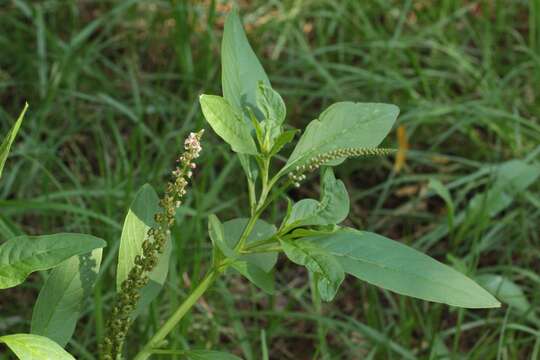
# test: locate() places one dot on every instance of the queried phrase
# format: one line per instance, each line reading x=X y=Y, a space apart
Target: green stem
x=169 y=325
x=256 y=210
x=247 y=231
x=321 y=328
x=265 y=189
x=256 y=244
x=261 y=205
x=258 y=250
x=252 y=197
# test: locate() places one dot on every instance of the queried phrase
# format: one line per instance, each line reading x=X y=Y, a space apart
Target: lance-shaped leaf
x=62 y=297
x=270 y=104
x=402 y=269
x=23 y=255
x=343 y=125
x=333 y=207
x=241 y=71
x=319 y=261
x=8 y=140
x=30 y=347
x=228 y=124
x=138 y=221
x=273 y=111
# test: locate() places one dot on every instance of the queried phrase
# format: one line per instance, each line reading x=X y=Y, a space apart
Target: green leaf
x=270 y=104
x=30 y=347
x=399 y=268
x=319 y=261
x=333 y=207
x=273 y=110
x=287 y=213
x=210 y=355
x=23 y=255
x=241 y=71
x=343 y=125
x=249 y=166
x=511 y=178
x=228 y=124
x=139 y=219
x=259 y=131
x=255 y=267
x=217 y=235
x=283 y=139
x=505 y=290
x=62 y=297
x=310 y=232
x=261 y=230
x=10 y=137
x=487 y=204
x=260 y=278
x=516 y=175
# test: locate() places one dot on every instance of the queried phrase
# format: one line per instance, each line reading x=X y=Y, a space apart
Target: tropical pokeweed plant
x=250 y=117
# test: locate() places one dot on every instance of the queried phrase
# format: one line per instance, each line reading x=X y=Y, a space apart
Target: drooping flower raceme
x=152 y=246
x=299 y=172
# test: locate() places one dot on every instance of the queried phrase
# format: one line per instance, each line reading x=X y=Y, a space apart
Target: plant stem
x=169 y=325
x=188 y=303
x=245 y=234
x=265 y=189
x=256 y=244
x=252 y=197
x=263 y=250
x=261 y=205
x=321 y=328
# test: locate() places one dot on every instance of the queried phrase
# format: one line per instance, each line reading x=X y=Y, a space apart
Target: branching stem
x=152 y=346
x=169 y=325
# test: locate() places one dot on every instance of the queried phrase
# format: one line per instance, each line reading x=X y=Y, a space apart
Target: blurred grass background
x=113 y=89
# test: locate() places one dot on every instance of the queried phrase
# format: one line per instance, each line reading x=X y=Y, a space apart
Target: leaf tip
x=394 y=109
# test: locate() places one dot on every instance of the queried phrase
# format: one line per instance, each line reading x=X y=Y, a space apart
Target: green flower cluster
x=298 y=174
x=153 y=245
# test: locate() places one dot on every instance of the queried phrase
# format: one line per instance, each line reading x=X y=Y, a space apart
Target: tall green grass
x=113 y=88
